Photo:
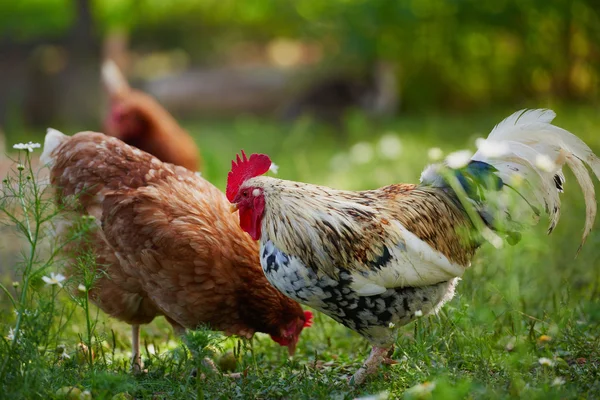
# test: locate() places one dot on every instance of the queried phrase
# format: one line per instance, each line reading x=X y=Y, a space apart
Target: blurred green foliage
x=452 y=54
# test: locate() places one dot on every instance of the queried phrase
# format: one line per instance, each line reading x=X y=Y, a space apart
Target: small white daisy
x=546 y=362
x=558 y=381
x=378 y=396
x=54 y=279
x=435 y=154
x=274 y=168
x=491 y=148
x=418 y=313
x=151 y=349
x=361 y=153
x=26 y=146
x=421 y=390
x=389 y=146
x=458 y=159
x=81 y=288
x=545 y=163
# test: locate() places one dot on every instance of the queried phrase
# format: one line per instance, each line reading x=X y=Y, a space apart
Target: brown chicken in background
x=167 y=242
x=140 y=121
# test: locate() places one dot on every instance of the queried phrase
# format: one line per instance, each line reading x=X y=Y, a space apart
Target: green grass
x=486 y=343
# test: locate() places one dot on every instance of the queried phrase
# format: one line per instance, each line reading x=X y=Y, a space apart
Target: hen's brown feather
x=169 y=238
x=139 y=120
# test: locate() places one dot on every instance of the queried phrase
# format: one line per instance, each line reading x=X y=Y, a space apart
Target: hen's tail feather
x=529 y=139
x=113 y=78
x=53 y=139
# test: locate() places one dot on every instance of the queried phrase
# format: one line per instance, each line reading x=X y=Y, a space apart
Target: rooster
x=139 y=120
x=166 y=242
x=375 y=260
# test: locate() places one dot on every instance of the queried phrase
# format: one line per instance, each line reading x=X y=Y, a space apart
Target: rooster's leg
x=136 y=362
x=370 y=365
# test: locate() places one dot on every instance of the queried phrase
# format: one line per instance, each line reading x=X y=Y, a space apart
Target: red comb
x=308 y=315
x=244 y=169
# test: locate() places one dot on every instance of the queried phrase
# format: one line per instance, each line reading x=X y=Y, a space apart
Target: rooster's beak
x=234 y=208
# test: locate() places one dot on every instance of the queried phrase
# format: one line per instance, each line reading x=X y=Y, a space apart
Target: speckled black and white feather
x=376 y=317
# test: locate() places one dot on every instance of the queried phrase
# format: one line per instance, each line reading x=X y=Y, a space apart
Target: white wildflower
x=11 y=334
x=361 y=153
x=558 y=381
x=491 y=148
x=54 y=279
x=20 y=167
x=545 y=163
x=64 y=355
x=435 y=154
x=378 y=396
x=391 y=325
x=15 y=284
x=389 y=146
x=81 y=288
x=26 y=146
x=458 y=159
x=418 y=313
x=546 y=362
x=151 y=349
x=274 y=168
x=421 y=390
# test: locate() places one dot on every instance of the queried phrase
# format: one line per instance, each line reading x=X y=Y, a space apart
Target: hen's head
x=246 y=196
x=290 y=333
x=125 y=122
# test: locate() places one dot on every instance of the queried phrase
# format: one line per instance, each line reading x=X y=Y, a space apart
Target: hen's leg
x=370 y=365
x=136 y=362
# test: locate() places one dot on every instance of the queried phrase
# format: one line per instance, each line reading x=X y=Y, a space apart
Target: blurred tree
x=450 y=53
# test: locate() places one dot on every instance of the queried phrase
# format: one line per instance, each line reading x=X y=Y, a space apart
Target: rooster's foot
x=370 y=365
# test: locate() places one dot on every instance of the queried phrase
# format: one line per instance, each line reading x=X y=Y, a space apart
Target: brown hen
x=167 y=242
x=139 y=120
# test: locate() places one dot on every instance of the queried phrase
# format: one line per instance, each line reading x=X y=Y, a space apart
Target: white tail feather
x=530 y=138
x=113 y=78
x=587 y=186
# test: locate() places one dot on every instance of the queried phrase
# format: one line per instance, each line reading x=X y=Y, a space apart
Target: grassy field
x=524 y=323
